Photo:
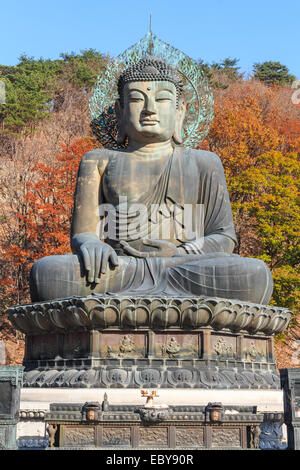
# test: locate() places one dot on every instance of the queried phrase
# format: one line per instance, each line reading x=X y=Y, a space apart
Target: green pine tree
x=272 y=73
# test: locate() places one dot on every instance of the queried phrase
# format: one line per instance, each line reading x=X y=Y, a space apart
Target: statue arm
x=218 y=227
x=211 y=244
x=85 y=241
x=85 y=218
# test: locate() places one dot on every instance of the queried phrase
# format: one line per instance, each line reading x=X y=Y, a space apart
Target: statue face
x=149 y=113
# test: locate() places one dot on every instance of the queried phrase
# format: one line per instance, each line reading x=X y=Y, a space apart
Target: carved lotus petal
x=165 y=316
x=104 y=315
x=259 y=321
x=243 y=318
x=77 y=316
x=42 y=320
x=223 y=317
x=30 y=316
x=58 y=318
x=20 y=321
x=283 y=323
x=196 y=316
x=135 y=315
x=276 y=324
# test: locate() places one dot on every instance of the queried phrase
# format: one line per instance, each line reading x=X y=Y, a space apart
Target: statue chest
x=131 y=180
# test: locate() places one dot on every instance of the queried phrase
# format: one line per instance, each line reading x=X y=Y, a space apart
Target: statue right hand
x=96 y=255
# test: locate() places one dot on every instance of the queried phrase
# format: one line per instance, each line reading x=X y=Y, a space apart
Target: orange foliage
x=44 y=224
x=250 y=120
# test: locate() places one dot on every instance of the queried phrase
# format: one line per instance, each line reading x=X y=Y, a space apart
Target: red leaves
x=44 y=224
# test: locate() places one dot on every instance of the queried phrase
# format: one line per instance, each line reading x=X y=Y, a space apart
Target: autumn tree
x=250 y=136
x=43 y=220
x=268 y=195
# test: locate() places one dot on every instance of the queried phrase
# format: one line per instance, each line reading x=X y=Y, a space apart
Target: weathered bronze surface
x=152 y=294
x=114 y=341
x=161 y=250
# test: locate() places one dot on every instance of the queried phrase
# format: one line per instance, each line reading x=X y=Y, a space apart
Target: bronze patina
x=166 y=179
x=152 y=294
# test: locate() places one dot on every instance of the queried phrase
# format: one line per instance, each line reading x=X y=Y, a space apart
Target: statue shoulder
x=205 y=161
x=96 y=158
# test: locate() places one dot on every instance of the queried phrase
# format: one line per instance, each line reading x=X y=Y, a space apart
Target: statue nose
x=149 y=107
x=149 y=111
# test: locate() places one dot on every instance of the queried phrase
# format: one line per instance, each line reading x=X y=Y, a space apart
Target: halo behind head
x=197 y=92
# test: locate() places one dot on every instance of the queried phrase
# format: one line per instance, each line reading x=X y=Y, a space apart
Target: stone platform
x=37 y=407
x=178 y=427
x=125 y=342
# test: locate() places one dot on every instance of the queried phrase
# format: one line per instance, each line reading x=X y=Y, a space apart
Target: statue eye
x=135 y=97
x=164 y=97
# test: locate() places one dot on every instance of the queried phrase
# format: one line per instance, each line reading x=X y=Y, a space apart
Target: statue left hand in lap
x=163 y=249
x=158 y=246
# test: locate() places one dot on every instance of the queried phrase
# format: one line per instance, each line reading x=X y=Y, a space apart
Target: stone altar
x=213 y=426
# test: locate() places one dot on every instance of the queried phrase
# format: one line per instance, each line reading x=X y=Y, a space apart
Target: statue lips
x=149 y=122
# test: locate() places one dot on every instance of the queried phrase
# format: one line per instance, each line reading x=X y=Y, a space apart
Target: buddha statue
x=153 y=217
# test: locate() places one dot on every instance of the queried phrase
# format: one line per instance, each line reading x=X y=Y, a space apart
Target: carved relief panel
x=153 y=436
x=116 y=436
x=226 y=437
x=254 y=349
x=187 y=436
x=78 y=436
x=172 y=346
x=223 y=347
x=118 y=346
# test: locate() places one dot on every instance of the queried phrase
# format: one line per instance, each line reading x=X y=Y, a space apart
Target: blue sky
x=253 y=31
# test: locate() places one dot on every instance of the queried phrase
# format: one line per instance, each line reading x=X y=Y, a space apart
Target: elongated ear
x=121 y=128
x=180 y=114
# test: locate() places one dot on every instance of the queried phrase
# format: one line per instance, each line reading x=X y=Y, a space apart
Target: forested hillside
x=44 y=133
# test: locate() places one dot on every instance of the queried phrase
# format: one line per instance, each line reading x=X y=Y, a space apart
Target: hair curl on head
x=148 y=70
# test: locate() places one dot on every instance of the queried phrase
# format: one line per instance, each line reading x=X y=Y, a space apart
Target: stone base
x=138 y=342
x=155 y=374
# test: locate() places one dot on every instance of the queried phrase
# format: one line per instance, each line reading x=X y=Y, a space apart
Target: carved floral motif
x=77 y=313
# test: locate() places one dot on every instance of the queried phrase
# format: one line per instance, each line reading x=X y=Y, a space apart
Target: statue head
x=150 y=107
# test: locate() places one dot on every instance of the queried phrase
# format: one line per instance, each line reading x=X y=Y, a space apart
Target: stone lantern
x=214 y=412
x=91 y=410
